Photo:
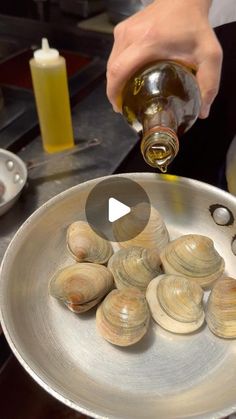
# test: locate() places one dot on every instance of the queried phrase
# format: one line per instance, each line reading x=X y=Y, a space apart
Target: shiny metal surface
x=121 y=9
x=13 y=175
x=165 y=375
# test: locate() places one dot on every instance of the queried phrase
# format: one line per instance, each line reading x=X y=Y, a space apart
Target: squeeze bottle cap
x=45 y=54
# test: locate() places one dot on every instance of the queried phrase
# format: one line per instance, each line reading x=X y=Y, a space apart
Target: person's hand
x=167 y=29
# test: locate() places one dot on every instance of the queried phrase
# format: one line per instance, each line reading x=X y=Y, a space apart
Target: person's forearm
x=204 y=4
x=208 y=3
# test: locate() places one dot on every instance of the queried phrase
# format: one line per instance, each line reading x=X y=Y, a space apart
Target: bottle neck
x=159 y=147
x=159 y=113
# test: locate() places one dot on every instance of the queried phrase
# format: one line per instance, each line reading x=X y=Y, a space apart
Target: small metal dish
x=14 y=171
x=13 y=176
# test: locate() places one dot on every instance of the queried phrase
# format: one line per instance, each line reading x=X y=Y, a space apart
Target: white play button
x=113 y=200
x=116 y=209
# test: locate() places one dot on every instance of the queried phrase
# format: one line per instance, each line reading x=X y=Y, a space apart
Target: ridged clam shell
x=221 y=308
x=176 y=303
x=193 y=256
x=81 y=286
x=85 y=245
x=154 y=235
x=134 y=267
x=123 y=317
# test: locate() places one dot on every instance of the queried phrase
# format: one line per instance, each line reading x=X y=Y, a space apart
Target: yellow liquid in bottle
x=162 y=98
x=53 y=105
x=155 y=156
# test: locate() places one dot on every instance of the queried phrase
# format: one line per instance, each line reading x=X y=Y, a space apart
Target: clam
x=176 y=303
x=81 y=286
x=154 y=235
x=86 y=245
x=123 y=317
x=134 y=267
x=221 y=308
x=2 y=189
x=193 y=256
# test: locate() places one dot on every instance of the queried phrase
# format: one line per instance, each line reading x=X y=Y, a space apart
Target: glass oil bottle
x=161 y=101
x=49 y=76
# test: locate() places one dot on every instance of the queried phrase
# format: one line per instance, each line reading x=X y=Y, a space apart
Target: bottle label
x=138 y=84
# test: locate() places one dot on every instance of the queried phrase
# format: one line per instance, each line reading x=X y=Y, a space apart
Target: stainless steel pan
x=165 y=375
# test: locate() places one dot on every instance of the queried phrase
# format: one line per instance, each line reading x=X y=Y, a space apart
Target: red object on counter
x=15 y=70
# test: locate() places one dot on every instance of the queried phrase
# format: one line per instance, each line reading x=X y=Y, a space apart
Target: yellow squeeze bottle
x=49 y=76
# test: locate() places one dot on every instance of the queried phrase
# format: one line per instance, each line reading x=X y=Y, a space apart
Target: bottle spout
x=45 y=45
x=159 y=147
x=160 y=157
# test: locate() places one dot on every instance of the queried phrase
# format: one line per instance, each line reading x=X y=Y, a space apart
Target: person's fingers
x=120 y=42
x=119 y=45
x=125 y=64
x=208 y=77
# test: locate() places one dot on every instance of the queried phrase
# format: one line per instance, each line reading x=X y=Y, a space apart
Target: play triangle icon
x=116 y=209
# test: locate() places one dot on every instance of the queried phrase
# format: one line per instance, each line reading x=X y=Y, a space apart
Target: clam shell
x=123 y=317
x=81 y=286
x=193 y=256
x=221 y=308
x=176 y=303
x=2 y=189
x=154 y=235
x=85 y=245
x=134 y=267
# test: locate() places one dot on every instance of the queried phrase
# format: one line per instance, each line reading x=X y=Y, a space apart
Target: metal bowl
x=163 y=376
x=13 y=176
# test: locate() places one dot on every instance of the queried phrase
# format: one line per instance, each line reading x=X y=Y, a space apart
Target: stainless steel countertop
x=93 y=117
